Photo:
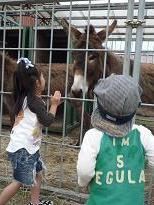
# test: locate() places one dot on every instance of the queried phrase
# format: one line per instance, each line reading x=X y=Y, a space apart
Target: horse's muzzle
x=76 y=93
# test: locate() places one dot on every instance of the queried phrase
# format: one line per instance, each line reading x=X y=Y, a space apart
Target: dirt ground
x=60 y=162
x=23 y=196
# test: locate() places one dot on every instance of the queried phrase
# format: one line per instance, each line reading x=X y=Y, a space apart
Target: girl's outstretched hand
x=55 y=99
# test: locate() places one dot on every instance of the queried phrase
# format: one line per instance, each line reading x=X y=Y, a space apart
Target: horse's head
x=95 y=59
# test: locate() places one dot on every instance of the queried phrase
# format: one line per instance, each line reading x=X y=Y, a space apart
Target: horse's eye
x=92 y=57
x=91 y=61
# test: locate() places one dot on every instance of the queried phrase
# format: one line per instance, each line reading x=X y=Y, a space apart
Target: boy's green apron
x=119 y=173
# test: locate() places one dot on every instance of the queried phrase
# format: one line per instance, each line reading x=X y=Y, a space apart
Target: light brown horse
x=58 y=79
x=58 y=76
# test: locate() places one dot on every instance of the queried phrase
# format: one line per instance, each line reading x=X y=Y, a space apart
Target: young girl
x=25 y=139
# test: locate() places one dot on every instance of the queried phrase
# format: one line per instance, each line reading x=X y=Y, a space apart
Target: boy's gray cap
x=118 y=98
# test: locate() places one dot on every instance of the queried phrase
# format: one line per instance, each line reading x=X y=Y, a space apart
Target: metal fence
x=40 y=23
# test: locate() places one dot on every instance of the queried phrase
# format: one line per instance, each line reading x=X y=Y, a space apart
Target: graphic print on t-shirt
x=19 y=117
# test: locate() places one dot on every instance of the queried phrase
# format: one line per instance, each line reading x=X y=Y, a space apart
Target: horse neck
x=10 y=64
x=9 y=69
x=114 y=63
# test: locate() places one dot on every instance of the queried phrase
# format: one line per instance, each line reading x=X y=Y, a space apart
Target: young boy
x=112 y=156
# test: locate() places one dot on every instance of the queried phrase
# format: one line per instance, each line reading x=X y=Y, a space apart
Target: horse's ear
x=75 y=33
x=91 y=29
x=102 y=33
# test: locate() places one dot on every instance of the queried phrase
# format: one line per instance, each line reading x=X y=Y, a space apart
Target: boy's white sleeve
x=147 y=140
x=87 y=156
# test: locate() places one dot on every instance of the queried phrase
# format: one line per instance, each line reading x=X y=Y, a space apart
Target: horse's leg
x=86 y=119
x=146 y=114
x=9 y=102
x=146 y=111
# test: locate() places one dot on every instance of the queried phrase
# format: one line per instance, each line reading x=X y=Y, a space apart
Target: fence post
x=130 y=15
x=139 y=36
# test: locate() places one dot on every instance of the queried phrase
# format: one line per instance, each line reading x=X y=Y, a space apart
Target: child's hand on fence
x=55 y=99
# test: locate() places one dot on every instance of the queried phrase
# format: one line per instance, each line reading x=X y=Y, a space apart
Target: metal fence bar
x=76 y=99
x=19 y=36
x=105 y=17
x=51 y=1
x=67 y=49
x=66 y=92
x=139 y=36
x=77 y=7
x=50 y=59
x=50 y=67
x=85 y=73
x=126 y=64
x=35 y=34
x=77 y=26
x=2 y=75
x=10 y=2
x=14 y=12
x=113 y=6
x=48 y=5
x=106 y=39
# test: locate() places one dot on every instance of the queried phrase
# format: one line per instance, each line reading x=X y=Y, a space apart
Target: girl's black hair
x=24 y=84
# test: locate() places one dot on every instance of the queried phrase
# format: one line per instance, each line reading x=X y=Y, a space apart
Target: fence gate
x=57 y=36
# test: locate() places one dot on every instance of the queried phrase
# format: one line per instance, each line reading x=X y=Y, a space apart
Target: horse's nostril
x=73 y=92
x=76 y=93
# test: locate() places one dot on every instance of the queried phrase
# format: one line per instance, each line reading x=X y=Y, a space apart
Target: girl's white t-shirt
x=26 y=132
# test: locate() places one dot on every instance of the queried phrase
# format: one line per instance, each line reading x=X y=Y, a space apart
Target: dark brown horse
x=95 y=66
x=95 y=63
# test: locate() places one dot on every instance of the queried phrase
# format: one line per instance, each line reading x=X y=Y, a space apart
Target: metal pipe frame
x=2 y=75
x=76 y=7
x=105 y=18
x=139 y=40
x=106 y=39
x=63 y=49
x=85 y=73
x=17 y=2
x=130 y=14
x=77 y=26
x=39 y=10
